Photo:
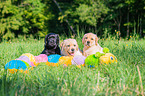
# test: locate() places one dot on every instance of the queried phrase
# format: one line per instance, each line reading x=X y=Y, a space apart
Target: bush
x=24 y=18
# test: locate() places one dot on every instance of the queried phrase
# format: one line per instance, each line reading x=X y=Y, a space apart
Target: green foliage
x=25 y=18
x=84 y=12
x=40 y=17
x=34 y=17
x=90 y=14
x=10 y=19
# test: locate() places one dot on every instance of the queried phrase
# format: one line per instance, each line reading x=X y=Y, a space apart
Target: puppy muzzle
x=71 y=53
x=88 y=43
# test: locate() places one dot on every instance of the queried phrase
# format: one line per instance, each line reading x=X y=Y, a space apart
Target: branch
x=66 y=19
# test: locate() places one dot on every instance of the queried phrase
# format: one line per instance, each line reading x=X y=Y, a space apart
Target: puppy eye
x=74 y=45
x=86 y=37
x=92 y=39
x=68 y=45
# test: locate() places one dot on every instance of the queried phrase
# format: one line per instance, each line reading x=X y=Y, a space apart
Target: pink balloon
x=41 y=58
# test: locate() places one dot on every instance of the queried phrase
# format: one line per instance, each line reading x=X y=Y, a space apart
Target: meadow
x=127 y=77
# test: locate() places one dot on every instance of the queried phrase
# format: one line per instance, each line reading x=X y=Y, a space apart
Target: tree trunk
x=140 y=26
x=128 y=23
x=119 y=25
x=134 y=27
x=74 y=33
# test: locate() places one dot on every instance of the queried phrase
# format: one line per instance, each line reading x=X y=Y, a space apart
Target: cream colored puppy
x=91 y=45
x=69 y=47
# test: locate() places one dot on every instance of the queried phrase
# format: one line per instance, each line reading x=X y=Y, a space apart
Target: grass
x=124 y=78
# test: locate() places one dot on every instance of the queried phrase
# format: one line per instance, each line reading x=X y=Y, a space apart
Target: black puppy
x=51 y=44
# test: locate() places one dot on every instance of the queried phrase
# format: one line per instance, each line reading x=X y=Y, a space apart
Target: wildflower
x=126 y=44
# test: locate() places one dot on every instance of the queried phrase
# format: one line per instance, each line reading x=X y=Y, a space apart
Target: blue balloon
x=17 y=64
x=53 y=58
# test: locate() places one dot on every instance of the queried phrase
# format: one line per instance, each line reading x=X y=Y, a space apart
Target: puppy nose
x=88 y=42
x=72 y=49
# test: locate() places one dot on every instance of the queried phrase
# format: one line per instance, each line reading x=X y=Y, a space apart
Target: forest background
x=36 y=18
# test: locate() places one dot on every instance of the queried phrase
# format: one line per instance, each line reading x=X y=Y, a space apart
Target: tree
x=21 y=17
x=83 y=13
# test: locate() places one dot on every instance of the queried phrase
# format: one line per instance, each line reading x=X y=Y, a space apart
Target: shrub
x=19 y=18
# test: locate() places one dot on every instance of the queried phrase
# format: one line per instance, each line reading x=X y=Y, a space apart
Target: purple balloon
x=78 y=60
x=25 y=58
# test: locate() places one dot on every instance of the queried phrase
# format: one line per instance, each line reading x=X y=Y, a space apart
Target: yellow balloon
x=12 y=71
x=65 y=60
x=108 y=58
x=62 y=60
x=51 y=64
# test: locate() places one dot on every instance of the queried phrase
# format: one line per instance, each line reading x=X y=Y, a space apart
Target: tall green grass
x=124 y=78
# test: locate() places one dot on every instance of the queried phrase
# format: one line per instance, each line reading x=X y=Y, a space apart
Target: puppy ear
x=77 y=47
x=57 y=39
x=62 y=45
x=83 y=41
x=96 y=39
x=46 y=39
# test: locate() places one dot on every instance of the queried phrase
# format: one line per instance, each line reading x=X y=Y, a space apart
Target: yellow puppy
x=69 y=47
x=91 y=45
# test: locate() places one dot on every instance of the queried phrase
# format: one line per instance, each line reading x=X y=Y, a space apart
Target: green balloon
x=92 y=60
x=105 y=50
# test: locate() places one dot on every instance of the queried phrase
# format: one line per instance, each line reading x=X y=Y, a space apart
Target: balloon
x=65 y=60
x=17 y=64
x=78 y=60
x=25 y=58
x=53 y=58
x=32 y=59
x=41 y=58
